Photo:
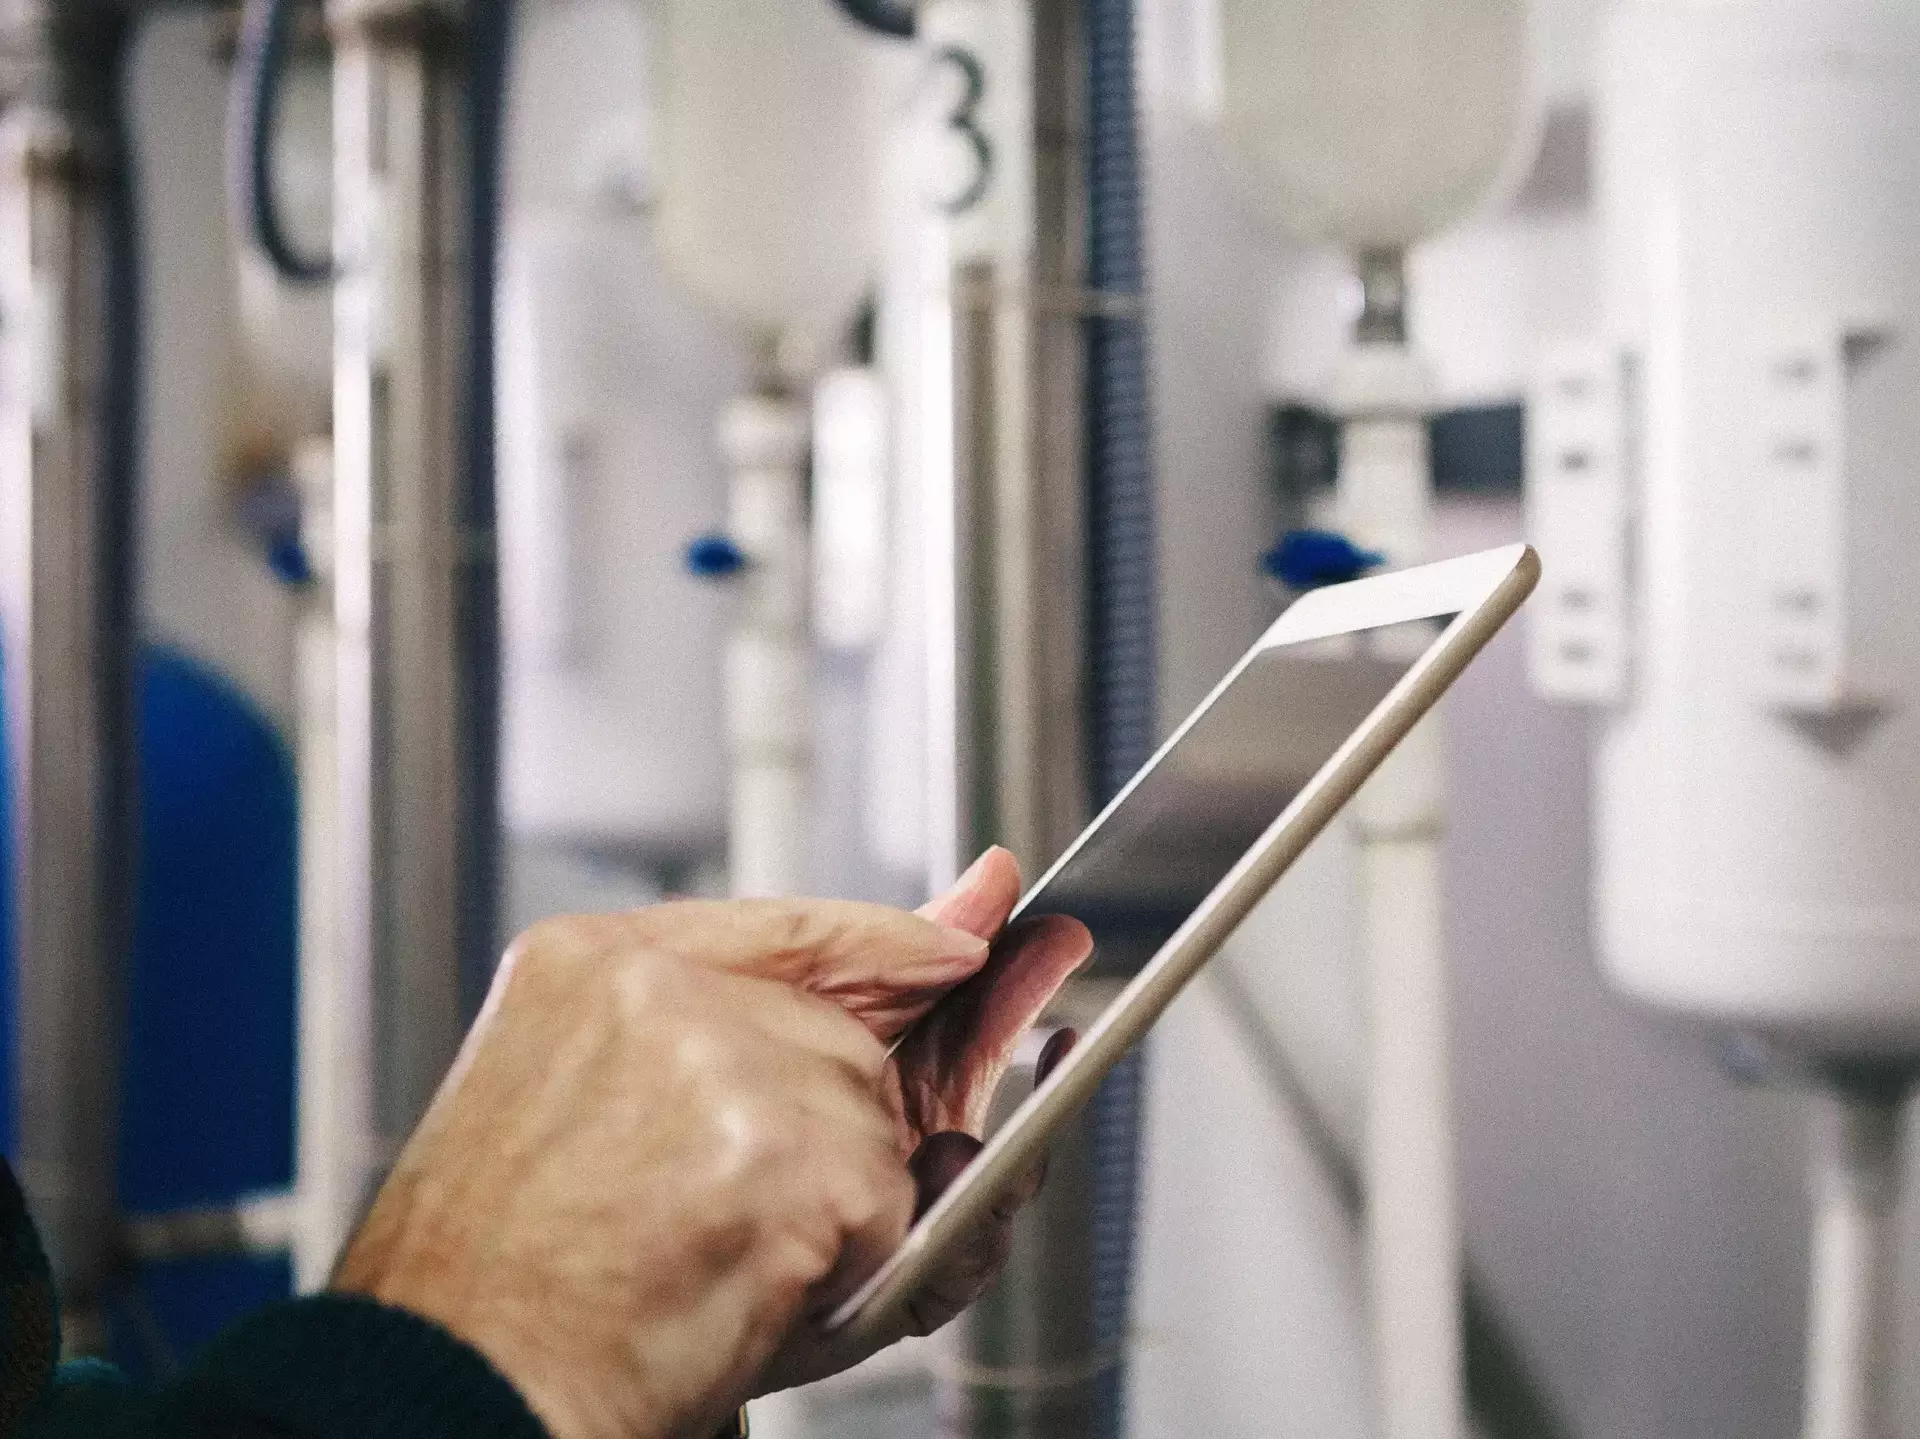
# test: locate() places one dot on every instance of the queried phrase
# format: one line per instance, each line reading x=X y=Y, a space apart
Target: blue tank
x=209 y=1084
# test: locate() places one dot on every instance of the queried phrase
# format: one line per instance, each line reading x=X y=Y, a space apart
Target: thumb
x=982 y=898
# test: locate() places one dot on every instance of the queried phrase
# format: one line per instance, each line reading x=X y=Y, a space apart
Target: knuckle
x=796 y=927
x=776 y=924
x=879 y=1192
x=546 y=957
x=848 y=1042
x=536 y=948
x=643 y=981
x=755 y=1138
x=869 y=1054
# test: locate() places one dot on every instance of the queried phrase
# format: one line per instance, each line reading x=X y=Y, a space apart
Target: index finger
x=884 y=966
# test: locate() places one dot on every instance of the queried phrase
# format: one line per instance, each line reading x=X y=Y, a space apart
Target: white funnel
x=1371 y=124
x=774 y=120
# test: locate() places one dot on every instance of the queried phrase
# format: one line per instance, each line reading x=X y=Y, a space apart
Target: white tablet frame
x=1481 y=592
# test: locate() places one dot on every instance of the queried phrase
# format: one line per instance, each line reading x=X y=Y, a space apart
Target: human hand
x=943 y=1079
x=658 y=1152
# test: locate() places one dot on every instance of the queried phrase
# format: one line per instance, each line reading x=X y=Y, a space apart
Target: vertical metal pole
x=1411 y=1229
x=1025 y=1360
x=400 y=547
x=1851 y=1323
x=66 y=572
x=1019 y=383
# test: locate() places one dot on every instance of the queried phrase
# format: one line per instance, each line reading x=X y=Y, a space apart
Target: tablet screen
x=1150 y=863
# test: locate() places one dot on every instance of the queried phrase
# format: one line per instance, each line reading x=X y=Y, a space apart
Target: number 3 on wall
x=964 y=121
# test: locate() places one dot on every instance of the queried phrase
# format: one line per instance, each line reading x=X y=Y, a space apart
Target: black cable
x=885 y=17
x=266 y=38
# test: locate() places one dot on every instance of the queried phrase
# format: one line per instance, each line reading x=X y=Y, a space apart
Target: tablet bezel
x=1482 y=592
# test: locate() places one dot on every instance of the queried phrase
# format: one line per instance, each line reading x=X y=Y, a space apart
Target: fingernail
x=973 y=870
x=1058 y=1046
x=963 y=942
x=937 y=1163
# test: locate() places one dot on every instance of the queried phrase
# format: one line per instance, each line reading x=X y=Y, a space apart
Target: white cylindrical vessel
x=773 y=121
x=1371 y=124
x=1758 y=782
x=608 y=468
x=773 y=127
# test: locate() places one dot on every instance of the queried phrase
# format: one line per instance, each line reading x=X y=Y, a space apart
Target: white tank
x=1758 y=802
x=772 y=128
x=613 y=733
x=1373 y=123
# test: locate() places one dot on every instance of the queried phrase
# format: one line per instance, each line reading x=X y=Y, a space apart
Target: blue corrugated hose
x=1123 y=578
x=489 y=56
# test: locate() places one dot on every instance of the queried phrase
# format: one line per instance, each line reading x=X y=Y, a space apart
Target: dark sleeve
x=329 y=1367
x=341 y=1367
x=29 y=1318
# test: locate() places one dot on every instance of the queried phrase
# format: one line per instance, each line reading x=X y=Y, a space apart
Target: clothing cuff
x=339 y=1365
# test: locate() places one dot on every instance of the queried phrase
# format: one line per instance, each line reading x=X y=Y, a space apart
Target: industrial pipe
x=404 y=545
x=1412 y=1228
x=1850 y=1310
x=333 y=1127
x=67 y=257
x=764 y=438
x=1124 y=583
x=1054 y=572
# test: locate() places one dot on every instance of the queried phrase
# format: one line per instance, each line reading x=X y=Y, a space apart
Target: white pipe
x=402 y=842
x=769 y=717
x=333 y=1118
x=1850 y=1320
x=1412 y=1226
x=264 y=1224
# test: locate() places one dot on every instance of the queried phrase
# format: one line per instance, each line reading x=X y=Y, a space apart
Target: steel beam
x=66 y=588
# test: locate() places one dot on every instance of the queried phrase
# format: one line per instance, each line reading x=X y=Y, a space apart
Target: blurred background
x=463 y=461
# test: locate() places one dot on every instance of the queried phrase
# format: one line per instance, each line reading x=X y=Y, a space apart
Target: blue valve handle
x=287 y=559
x=1308 y=559
x=715 y=557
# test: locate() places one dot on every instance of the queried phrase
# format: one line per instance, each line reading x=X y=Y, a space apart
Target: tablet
x=1169 y=869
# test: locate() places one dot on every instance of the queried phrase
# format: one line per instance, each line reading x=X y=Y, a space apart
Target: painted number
x=964 y=121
